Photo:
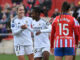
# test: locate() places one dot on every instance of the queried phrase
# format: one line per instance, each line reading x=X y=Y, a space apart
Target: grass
x=13 y=57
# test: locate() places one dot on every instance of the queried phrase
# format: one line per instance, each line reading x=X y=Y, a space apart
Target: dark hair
x=37 y=10
x=65 y=7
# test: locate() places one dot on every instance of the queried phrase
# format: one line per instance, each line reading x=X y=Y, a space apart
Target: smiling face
x=35 y=14
x=20 y=11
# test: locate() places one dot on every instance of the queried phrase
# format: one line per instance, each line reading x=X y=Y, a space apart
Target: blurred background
x=51 y=9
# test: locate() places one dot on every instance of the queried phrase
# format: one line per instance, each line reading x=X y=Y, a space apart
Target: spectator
x=28 y=6
x=6 y=11
x=45 y=11
x=0 y=12
x=46 y=6
x=28 y=13
x=56 y=13
x=41 y=1
x=13 y=11
x=14 y=5
x=4 y=18
x=32 y=2
x=37 y=3
x=76 y=13
x=72 y=8
x=17 y=1
x=2 y=31
x=46 y=3
x=7 y=5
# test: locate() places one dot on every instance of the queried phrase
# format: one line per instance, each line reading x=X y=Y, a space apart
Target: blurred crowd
x=8 y=12
x=74 y=11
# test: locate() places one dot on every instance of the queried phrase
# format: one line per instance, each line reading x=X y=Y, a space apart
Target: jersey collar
x=66 y=14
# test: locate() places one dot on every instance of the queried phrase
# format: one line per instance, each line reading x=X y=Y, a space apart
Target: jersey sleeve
x=79 y=32
x=30 y=28
x=76 y=31
x=52 y=35
x=15 y=29
x=47 y=28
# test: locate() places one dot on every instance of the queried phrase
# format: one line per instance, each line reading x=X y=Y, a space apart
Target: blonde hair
x=19 y=6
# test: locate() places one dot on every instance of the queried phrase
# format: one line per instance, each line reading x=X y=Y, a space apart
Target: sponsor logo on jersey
x=13 y=25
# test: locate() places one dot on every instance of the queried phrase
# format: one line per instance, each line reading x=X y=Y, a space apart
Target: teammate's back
x=62 y=33
x=63 y=27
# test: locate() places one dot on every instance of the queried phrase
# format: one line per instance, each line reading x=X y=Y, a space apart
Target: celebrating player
x=41 y=41
x=62 y=32
x=22 y=36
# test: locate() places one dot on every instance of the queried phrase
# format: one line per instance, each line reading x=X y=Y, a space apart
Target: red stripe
x=58 y=42
x=55 y=43
x=63 y=42
x=68 y=42
x=73 y=42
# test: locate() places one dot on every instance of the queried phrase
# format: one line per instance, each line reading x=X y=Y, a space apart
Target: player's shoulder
x=73 y=18
x=56 y=18
x=14 y=19
x=70 y=17
x=75 y=21
x=28 y=18
x=44 y=21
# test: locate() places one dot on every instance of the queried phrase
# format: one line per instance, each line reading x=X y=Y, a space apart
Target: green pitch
x=13 y=57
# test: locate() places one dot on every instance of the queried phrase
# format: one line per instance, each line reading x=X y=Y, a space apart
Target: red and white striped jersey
x=62 y=31
x=79 y=32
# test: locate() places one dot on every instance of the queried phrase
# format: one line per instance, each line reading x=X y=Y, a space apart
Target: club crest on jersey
x=12 y=25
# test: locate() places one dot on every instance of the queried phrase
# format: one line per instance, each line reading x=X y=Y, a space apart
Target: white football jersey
x=21 y=36
x=41 y=40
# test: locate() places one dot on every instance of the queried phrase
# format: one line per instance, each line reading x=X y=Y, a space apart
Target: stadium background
x=6 y=46
x=55 y=4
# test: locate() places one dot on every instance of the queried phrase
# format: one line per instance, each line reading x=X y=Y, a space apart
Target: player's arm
x=52 y=35
x=49 y=27
x=15 y=29
x=76 y=32
x=79 y=33
x=47 y=30
x=30 y=29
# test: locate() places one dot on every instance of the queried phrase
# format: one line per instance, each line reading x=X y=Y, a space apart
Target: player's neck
x=20 y=17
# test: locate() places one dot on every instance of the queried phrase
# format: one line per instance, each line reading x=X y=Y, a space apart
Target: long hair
x=65 y=8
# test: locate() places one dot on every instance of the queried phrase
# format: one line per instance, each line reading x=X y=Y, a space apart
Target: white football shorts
x=23 y=50
x=38 y=51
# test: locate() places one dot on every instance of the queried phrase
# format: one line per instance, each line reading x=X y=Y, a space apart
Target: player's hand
x=38 y=33
x=52 y=51
x=79 y=44
x=24 y=26
x=76 y=46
